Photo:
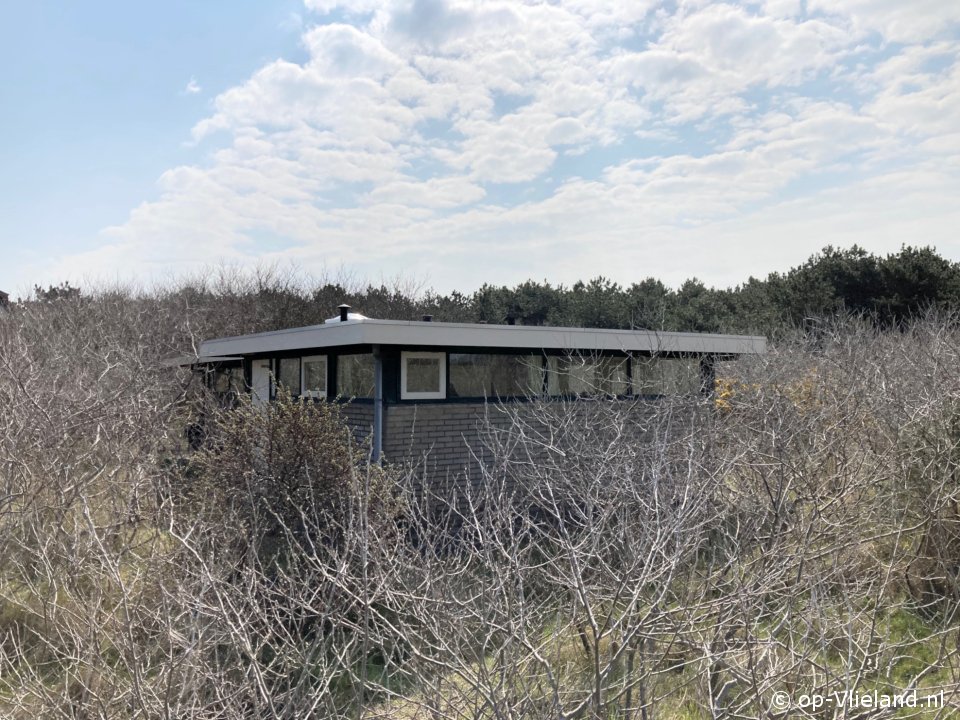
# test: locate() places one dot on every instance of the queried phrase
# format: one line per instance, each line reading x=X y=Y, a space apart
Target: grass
x=912 y=643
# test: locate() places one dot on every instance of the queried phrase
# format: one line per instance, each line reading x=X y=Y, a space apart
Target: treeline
x=888 y=289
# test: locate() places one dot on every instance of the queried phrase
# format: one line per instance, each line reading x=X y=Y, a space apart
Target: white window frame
x=441 y=394
x=314 y=394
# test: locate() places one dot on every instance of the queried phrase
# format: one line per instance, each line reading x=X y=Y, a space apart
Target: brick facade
x=442 y=441
x=448 y=443
x=438 y=439
x=359 y=418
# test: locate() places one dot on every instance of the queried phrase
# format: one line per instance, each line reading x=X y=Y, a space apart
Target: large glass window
x=314 y=380
x=612 y=377
x=423 y=375
x=355 y=376
x=493 y=376
x=289 y=375
x=666 y=376
x=574 y=375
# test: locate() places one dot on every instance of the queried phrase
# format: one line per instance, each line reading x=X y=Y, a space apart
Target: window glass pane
x=355 y=376
x=315 y=376
x=290 y=374
x=423 y=374
x=666 y=376
x=228 y=380
x=611 y=376
x=586 y=376
x=570 y=376
x=481 y=375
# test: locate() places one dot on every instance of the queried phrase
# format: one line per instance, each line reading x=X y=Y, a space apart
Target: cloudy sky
x=468 y=141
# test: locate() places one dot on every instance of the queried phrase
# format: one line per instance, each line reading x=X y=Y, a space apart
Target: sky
x=462 y=142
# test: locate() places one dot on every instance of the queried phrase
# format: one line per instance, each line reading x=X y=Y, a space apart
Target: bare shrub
x=643 y=559
x=269 y=465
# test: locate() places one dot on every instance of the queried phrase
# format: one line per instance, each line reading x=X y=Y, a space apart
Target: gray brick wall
x=448 y=443
x=443 y=441
x=437 y=437
x=359 y=418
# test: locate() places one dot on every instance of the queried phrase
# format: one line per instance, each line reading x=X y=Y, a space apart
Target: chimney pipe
x=344 y=312
x=511 y=320
x=428 y=318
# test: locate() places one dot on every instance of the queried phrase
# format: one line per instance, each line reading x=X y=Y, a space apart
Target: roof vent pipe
x=344 y=312
x=428 y=318
x=511 y=320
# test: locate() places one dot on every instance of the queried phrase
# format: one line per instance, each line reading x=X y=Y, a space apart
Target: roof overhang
x=192 y=360
x=468 y=335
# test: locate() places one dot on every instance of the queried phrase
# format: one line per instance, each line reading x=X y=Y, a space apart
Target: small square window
x=423 y=376
x=314 y=380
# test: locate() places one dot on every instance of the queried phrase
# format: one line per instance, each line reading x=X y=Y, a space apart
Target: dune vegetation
x=797 y=535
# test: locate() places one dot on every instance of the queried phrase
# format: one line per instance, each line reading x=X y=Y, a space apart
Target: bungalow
x=418 y=388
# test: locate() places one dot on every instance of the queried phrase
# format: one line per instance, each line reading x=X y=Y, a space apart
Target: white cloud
x=435 y=192
x=915 y=98
x=596 y=136
x=192 y=88
x=350 y=6
x=896 y=20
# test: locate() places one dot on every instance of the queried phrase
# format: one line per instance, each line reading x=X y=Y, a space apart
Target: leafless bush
x=641 y=559
x=267 y=465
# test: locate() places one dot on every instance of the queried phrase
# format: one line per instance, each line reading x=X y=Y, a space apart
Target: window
x=289 y=375
x=612 y=376
x=666 y=376
x=493 y=376
x=571 y=376
x=423 y=376
x=355 y=376
x=228 y=380
x=314 y=376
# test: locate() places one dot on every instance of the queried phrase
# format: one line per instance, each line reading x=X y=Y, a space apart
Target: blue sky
x=95 y=108
x=468 y=141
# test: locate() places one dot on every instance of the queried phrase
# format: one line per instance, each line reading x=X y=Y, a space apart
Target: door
x=260 y=382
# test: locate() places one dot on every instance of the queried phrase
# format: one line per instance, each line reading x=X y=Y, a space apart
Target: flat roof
x=371 y=331
x=186 y=360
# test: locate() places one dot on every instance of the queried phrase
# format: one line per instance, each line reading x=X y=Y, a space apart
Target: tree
x=650 y=305
x=63 y=291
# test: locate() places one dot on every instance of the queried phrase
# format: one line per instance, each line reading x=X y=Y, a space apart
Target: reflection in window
x=587 y=376
x=355 y=376
x=423 y=375
x=228 y=380
x=495 y=376
x=666 y=376
x=289 y=375
x=315 y=376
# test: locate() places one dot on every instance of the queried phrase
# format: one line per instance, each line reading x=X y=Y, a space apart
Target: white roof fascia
x=188 y=360
x=439 y=334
